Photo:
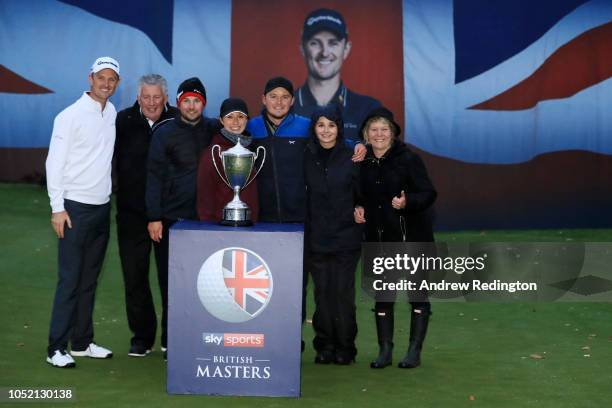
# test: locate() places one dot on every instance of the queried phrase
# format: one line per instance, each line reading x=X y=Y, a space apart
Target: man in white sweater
x=79 y=186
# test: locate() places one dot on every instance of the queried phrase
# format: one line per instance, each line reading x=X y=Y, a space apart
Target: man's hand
x=359 y=215
x=399 y=202
x=155 y=229
x=360 y=153
x=58 y=220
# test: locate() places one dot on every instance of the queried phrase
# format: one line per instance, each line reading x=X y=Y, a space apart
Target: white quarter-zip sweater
x=80 y=154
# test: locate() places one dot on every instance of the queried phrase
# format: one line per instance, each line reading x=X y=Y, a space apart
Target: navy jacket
x=281 y=181
x=172 y=168
x=130 y=159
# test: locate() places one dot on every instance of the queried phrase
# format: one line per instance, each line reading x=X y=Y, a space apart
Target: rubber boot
x=418 y=329
x=384 y=330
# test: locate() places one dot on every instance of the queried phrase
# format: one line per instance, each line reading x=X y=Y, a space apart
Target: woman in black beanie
x=396 y=207
x=213 y=193
x=334 y=239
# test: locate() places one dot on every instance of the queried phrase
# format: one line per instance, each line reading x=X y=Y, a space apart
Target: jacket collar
x=314 y=147
x=285 y=122
x=397 y=148
x=305 y=98
x=91 y=105
x=182 y=124
x=167 y=112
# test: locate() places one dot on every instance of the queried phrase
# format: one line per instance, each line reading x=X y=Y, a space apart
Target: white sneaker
x=93 y=351
x=61 y=359
x=164 y=348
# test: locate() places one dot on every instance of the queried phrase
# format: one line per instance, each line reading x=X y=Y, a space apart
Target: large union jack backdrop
x=502 y=82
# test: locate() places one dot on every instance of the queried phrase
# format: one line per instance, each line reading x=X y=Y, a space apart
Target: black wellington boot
x=418 y=330
x=384 y=330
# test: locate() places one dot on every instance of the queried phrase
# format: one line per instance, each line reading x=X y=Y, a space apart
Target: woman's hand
x=399 y=202
x=359 y=215
x=359 y=153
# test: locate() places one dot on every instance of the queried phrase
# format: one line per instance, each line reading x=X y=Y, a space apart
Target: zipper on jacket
x=379 y=210
x=275 y=174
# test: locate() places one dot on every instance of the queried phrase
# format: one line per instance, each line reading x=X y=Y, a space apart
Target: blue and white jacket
x=281 y=181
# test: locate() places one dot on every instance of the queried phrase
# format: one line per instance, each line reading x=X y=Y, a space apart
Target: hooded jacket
x=332 y=189
x=384 y=178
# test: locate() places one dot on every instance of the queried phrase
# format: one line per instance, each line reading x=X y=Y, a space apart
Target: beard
x=191 y=121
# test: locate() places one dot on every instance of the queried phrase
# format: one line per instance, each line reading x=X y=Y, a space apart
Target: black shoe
x=137 y=350
x=342 y=359
x=324 y=357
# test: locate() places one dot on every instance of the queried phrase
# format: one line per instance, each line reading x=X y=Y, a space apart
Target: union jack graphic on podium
x=247 y=278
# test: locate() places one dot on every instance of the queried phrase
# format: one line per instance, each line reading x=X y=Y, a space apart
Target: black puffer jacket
x=381 y=180
x=131 y=151
x=332 y=188
x=173 y=167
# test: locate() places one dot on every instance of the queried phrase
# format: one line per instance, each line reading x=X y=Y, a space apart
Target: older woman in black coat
x=396 y=207
x=333 y=238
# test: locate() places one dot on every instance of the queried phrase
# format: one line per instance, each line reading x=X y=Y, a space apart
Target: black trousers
x=161 y=259
x=419 y=300
x=334 y=320
x=135 y=253
x=305 y=260
x=80 y=257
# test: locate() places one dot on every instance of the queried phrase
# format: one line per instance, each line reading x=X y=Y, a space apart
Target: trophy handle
x=212 y=152
x=263 y=159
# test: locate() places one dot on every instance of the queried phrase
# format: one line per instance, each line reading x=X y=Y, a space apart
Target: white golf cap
x=103 y=63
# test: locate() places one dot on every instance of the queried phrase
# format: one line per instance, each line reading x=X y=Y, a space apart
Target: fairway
x=475 y=355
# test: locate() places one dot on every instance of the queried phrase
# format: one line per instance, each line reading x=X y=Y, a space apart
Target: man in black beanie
x=173 y=159
x=280 y=183
x=284 y=135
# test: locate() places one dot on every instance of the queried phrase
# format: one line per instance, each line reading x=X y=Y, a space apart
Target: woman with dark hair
x=396 y=207
x=213 y=193
x=332 y=236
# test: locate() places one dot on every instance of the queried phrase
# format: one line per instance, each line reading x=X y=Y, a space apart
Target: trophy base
x=236 y=217
x=234 y=223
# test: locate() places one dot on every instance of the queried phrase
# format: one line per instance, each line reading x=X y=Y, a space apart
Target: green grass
x=473 y=350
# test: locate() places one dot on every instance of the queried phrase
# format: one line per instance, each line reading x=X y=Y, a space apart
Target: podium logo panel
x=234 y=339
x=234 y=284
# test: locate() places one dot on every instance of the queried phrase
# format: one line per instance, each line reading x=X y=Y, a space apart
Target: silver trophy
x=237 y=164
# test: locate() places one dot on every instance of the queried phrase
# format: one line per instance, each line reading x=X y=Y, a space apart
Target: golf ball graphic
x=234 y=284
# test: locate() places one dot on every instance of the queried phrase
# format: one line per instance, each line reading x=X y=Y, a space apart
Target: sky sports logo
x=233 y=339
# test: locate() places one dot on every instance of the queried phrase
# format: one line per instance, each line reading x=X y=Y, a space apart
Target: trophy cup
x=237 y=164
